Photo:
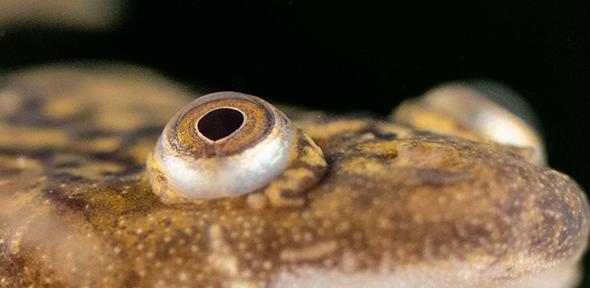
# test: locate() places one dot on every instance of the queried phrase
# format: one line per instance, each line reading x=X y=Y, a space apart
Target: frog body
x=395 y=205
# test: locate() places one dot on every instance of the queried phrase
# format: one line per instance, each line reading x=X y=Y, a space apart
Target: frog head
x=235 y=192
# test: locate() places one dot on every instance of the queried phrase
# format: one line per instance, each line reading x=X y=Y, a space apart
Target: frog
x=112 y=175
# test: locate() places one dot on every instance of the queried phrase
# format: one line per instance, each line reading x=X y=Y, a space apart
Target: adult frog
x=96 y=190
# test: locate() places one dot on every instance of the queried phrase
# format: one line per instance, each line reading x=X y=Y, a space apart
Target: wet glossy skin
x=76 y=208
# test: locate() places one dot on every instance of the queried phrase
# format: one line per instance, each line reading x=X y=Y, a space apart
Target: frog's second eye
x=220 y=145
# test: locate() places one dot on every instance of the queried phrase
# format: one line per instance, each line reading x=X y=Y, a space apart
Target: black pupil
x=219 y=123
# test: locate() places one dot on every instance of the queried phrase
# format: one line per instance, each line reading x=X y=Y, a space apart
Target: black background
x=360 y=56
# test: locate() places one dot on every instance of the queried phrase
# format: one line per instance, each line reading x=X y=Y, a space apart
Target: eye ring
x=228 y=144
x=261 y=122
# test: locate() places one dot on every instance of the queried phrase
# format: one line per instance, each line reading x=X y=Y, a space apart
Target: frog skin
x=390 y=205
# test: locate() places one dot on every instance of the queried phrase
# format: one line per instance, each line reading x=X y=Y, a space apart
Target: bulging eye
x=229 y=144
x=477 y=110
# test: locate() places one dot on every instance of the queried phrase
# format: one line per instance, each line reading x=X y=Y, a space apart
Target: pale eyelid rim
x=234 y=191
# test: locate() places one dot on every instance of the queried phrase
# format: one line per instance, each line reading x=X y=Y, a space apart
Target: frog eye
x=477 y=110
x=221 y=145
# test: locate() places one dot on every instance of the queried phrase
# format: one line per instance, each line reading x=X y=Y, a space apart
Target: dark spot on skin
x=33 y=116
x=364 y=200
x=30 y=116
x=515 y=209
x=126 y=136
x=41 y=154
x=290 y=194
x=16 y=265
x=380 y=135
x=9 y=171
x=70 y=164
x=385 y=157
x=4 y=84
x=90 y=133
x=437 y=177
x=567 y=224
x=59 y=191
x=61 y=178
x=166 y=222
x=128 y=171
x=146 y=131
x=131 y=279
x=104 y=156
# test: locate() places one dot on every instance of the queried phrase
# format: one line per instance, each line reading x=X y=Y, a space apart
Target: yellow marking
x=110 y=202
x=332 y=128
x=364 y=166
x=434 y=122
x=277 y=200
x=429 y=155
x=94 y=169
x=61 y=108
x=297 y=174
x=256 y=201
x=293 y=182
x=388 y=149
x=312 y=154
x=29 y=138
x=140 y=150
x=100 y=145
x=20 y=162
x=9 y=103
x=398 y=130
x=309 y=253
x=122 y=122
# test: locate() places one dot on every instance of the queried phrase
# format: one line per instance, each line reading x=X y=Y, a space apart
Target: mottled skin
x=77 y=210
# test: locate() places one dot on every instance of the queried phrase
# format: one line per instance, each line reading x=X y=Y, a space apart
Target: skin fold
x=396 y=206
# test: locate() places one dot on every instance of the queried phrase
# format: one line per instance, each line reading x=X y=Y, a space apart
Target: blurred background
x=332 y=56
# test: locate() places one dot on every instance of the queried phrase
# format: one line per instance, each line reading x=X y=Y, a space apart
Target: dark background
x=361 y=56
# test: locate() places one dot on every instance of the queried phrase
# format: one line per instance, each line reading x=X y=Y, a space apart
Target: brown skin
x=76 y=208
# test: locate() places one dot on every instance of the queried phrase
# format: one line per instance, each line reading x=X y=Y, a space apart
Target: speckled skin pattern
x=76 y=208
